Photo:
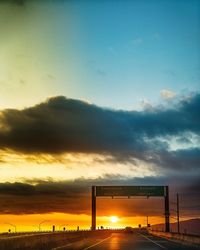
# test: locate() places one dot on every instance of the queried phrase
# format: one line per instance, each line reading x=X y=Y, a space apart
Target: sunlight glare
x=114 y=219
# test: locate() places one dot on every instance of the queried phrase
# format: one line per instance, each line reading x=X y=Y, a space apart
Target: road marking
x=97 y=243
x=152 y=241
x=57 y=248
x=160 y=241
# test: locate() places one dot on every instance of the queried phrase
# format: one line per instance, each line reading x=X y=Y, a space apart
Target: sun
x=114 y=219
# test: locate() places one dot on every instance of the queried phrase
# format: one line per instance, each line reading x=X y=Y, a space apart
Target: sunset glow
x=70 y=221
x=98 y=93
x=114 y=219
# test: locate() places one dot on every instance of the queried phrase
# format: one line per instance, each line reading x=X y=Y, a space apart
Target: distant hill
x=188 y=226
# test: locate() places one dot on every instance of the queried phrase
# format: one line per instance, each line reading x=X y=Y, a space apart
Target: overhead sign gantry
x=130 y=191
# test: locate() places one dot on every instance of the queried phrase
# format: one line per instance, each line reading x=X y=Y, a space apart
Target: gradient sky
x=97 y=92
x=113 y=54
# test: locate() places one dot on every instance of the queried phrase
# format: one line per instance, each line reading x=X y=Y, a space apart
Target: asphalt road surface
x=128 y=241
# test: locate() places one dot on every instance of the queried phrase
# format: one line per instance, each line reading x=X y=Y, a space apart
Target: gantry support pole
x=93 y=208
x=167 y=214
x=177 y=204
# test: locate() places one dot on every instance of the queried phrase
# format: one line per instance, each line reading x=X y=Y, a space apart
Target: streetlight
x=11 y=225
x=39 y=226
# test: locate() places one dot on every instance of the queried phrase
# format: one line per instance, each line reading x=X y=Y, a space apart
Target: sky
x=97 y=92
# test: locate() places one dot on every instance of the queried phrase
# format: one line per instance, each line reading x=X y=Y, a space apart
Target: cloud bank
x=74 y=197
x=62 y=125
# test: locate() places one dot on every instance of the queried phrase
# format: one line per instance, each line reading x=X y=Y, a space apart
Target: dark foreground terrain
x=120 y=240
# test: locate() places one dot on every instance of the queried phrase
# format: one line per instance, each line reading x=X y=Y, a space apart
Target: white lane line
x=160 y=241
x=97 y=243
x=152 y=241
x=57 y=248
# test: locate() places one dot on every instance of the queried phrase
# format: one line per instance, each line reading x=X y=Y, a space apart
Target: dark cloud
x=19 y=2
x=23 y=2
x=16 y=2
x=22 y=198
x=62 y=125
x=178 y=160
x=75 y=197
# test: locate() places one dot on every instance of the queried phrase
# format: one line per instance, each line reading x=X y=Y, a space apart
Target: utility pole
x=177 y=210
x=147 y=221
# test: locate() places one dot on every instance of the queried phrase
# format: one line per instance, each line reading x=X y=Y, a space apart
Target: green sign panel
x=130 y=191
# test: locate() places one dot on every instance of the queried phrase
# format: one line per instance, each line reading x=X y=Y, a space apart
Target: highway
x=128 y=241
x=94 y=240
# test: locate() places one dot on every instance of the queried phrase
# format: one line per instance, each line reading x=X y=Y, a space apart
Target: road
x=128 y=241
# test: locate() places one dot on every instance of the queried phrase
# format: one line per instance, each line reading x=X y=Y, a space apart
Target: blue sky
x=111 y=53
x=138 y=48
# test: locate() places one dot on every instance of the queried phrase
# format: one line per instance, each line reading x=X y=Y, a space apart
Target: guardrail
x=58 y=231
x=48 y=240
x=183 y=238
